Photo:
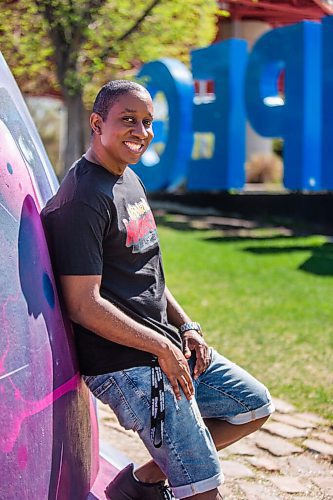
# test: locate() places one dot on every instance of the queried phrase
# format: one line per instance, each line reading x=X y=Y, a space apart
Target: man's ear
x=96 y=123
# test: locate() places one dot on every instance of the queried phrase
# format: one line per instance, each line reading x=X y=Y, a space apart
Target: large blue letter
x=296 y=49
x=224 y=118
x=327 y=104
x=173 y=79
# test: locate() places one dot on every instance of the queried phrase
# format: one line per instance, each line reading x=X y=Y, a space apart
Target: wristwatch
x=192 y=325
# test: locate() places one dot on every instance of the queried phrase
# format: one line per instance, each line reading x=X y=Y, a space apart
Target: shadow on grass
x=281 y=249
x=237 y=230
x=233 y=228
x=244 y=238
x=320 y=262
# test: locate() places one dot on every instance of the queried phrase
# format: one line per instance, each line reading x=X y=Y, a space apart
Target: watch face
x=326 y=5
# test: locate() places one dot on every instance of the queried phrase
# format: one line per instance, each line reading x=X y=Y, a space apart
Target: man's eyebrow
x=128 y=110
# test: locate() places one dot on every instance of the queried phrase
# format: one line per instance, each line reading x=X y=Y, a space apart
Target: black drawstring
x=157 y=405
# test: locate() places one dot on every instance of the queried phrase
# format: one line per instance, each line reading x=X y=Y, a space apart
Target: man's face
x=127 y=131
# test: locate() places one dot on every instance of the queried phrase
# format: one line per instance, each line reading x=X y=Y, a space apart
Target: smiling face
x=125 y=134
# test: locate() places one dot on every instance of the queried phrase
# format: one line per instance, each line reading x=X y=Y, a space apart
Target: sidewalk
x=291 y=457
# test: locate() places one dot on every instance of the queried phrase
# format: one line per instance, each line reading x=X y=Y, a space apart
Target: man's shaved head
x=111 y=91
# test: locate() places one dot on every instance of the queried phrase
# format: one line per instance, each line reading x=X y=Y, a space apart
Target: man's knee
x=259 y=422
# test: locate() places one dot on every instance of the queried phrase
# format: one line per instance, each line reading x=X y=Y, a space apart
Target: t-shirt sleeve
x=75 y=235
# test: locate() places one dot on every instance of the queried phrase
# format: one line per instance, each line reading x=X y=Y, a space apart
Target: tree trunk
x=76 y=133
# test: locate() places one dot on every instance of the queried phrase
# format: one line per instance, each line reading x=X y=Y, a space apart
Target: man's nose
x=140 y=131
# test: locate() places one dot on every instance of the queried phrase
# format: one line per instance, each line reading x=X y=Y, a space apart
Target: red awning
x=277 y=13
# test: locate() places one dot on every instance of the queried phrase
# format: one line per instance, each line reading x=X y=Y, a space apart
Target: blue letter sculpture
x=173 y=79
x=297 y=49
x=224 y=63
x=327 y=104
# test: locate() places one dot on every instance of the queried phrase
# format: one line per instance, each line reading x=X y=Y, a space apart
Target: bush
x=264 y=168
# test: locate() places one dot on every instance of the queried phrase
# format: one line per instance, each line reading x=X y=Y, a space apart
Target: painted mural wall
x=48 y=446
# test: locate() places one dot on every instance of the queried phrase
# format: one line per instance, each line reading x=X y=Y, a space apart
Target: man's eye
x=129 y=119
x=147 y=123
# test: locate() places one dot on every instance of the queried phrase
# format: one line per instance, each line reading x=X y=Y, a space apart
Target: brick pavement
x=291 y=457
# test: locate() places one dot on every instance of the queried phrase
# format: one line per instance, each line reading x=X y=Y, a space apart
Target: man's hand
x=192 y=341
x=173 y=363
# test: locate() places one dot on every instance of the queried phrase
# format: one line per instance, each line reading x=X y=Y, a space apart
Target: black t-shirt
x=101 y=224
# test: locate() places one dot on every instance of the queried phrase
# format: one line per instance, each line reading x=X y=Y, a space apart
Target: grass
x=264 y=300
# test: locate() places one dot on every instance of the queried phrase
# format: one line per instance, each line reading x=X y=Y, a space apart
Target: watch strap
x=191 y=325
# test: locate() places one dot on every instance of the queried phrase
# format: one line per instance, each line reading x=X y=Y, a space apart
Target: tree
x=74 y=46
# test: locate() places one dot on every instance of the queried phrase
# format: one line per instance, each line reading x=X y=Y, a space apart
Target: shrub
x=264 y=168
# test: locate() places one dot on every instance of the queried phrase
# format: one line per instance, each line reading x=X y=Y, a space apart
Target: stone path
x=291 y=457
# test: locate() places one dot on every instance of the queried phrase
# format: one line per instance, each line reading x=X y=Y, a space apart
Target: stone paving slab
x=291 y=419
x=284 y=430
x=283 y=407
x=319 y=447
x=242 y=447
x=316 y=497
x=275 y=445
x=311 y=418
x=255 y=491
x=290 y=484
x=226 y=492
x=267 y=464
x=309 y=466
x=324 y=436
x=325 y=484
x=233 y=469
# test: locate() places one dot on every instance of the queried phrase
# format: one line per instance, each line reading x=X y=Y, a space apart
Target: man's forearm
x=176 y=314
x=106 y=320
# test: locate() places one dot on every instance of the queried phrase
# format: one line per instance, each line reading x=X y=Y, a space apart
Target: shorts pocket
x=125 y=412
x=102 y=388
x=117 y=391
x=110 y=392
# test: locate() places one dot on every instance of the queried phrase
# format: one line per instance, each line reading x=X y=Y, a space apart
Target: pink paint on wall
x=15 y=178
x=48 y=448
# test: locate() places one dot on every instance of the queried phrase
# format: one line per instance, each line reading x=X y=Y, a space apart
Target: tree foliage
x=72 y=47
x=26 y=47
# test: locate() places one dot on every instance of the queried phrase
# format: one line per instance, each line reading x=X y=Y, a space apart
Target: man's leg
x=232 y=402
x=223 y=434
x=187 y=456
x=151 y=470
x=228 y=392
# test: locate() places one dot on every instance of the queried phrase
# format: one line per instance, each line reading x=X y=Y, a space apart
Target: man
x=138 y=350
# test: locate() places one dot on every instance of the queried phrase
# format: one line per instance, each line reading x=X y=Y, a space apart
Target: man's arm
x=86 y=307
x=176 y=314
x=192 y=340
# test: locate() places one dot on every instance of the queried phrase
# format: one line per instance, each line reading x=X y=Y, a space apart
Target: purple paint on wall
x=48 y=446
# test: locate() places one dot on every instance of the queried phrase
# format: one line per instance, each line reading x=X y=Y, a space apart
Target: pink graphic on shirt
x=140 y=227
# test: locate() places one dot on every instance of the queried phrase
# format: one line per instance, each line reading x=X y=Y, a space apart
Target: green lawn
x=264 y=300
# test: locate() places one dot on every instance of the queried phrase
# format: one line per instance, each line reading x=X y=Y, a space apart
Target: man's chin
x=134 y=161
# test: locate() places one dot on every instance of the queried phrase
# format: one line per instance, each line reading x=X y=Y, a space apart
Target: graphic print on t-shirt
x=140 y=227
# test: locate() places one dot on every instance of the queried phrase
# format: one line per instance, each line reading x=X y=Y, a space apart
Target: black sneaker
x=125 y=487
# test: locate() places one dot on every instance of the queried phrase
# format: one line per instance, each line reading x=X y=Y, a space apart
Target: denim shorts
x=187 y=456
